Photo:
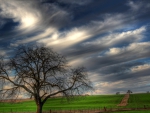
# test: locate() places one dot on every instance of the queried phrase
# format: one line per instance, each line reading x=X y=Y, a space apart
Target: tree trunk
x=39 y=108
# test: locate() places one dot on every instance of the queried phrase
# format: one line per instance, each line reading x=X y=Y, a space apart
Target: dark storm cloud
x=30 y=19
x=82 y=51
x=120 y=68
x=123 y=82
x=130 y=53
x=129 y=75
x=79 y=2
x=109 y=38
x=49 y=14
x=136 y=85
x=102 y=43
x=141 y=89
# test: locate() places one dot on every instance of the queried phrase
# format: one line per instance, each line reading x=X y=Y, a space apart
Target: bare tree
x=129 y=91
x=117 y=93
x=42 y=73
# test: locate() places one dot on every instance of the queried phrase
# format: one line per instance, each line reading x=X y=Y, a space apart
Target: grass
x=89 y=102
x=139 y=101
x=17 y=107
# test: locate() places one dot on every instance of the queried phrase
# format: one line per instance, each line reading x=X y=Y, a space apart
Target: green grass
x=139 y=101
x=17 y=107
x=89 y=102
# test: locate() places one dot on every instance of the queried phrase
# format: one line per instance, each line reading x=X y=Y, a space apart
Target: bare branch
x=42 y=73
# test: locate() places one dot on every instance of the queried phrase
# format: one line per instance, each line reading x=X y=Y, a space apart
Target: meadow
x=89 y=102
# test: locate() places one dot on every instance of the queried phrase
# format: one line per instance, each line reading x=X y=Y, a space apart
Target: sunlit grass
x=88 y=102
x=139 y=101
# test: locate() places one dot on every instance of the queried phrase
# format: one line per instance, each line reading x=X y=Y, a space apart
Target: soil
x=16 y=100
x=124 y=101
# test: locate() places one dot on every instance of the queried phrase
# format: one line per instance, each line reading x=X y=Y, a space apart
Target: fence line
x=102 y=110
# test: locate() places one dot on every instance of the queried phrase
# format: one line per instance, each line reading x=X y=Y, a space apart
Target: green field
x=139 y=101
x=89 y=102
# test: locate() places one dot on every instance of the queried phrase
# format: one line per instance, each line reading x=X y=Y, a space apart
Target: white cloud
x=66 y=39
x=42 y=23
x=113 y=51
x=78 y=34
x=117 y=38
x=135 y=50
x=106 y=87
x=76 y=62
x=138 y=84
x=136 y=6
x=110 y=84
x=46 y=33
x=31 y=15
x=20 y=12
x=32 y=19
x=141 y=48
x=133 y=36
x=140 y=68
x=79 y=2
x=2 y=53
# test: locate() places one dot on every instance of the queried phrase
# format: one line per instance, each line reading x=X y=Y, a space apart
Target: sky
x=110 y=38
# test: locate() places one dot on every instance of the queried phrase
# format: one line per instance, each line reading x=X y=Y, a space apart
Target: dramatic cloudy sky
x=111 y=38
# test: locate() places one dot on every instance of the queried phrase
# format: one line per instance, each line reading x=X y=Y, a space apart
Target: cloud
x=46 y=33
x=67 y=39
x=79 y=2
x=108 y=84
x=120 y=68
x=2 y=23
x=2 y=53
x=134 y=6
x=140 y=68
x=34 y=20
x=113 y=45
x=135 y=83
x=137 y=6
x=90 y=51
x=133 y=75
x=77 y=35
x=29 y=16
x=120 y=38
x=59 y=2
x=126 y=76
x=125 y=65
x=132 y=52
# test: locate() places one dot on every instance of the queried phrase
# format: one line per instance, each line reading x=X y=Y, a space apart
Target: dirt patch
x=124 y=101
x=15 y=100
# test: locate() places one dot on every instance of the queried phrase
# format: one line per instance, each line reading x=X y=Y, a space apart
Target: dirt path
x=15 y=100
x=124 y=101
